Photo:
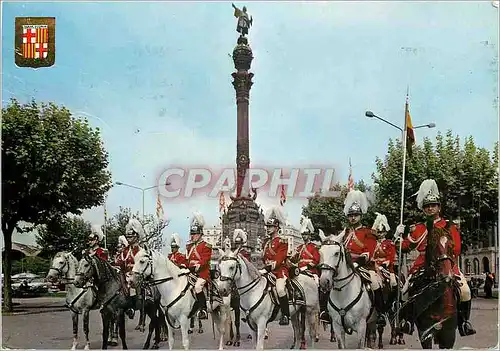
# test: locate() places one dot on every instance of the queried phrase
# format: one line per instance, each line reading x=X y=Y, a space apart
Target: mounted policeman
x=307 y=256
x=94 y=243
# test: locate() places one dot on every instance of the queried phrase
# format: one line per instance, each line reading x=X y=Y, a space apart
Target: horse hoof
x=303 y=346
x=190 y=331
x=316 y=339
x=333 y=339
x=200 y=331
x=380 y=346
x=266 y=337
x=249 y=337
x=229 y=343
x=401 y=342
x=392 y=342
x=292 y=347
x=237 y=344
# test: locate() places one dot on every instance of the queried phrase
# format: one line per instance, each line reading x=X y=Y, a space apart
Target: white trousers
x=128 y=279
x=281 y=286
x=198 y=287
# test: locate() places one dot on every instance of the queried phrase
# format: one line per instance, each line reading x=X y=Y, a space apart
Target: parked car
x=29 y=285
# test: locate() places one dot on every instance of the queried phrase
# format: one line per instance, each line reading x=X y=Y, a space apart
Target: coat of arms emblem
x=35 y=41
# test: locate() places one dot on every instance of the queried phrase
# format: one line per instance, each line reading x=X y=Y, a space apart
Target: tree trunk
x=7 y=266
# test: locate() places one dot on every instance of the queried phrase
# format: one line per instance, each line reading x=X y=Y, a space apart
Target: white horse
x=349 y=304
x=255 y=298
x=78 y=300
x=177 y=299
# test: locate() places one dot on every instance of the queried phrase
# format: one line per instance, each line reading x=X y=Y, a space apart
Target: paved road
x=52 y=330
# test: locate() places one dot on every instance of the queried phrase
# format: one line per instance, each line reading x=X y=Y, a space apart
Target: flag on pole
x=222 y=203
x=350 y=180
x=159 y=208
x=410 y=135
x=282 y=191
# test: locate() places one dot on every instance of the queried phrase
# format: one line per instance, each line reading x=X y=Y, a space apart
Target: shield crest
x=35 y=41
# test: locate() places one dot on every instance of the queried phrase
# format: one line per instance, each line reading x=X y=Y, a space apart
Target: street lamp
x=370 y=114
x=141 y=189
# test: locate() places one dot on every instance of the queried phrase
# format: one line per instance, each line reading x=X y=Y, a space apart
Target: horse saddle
x=295 y=292
x=210 y=289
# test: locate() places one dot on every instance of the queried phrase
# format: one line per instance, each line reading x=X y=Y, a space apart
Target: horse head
x=229 y=270
x=86 y=270
x=60 y=267
x=332 y=254
x=143 y=266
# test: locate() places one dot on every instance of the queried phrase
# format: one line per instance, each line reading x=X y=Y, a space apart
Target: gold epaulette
x=208 y=244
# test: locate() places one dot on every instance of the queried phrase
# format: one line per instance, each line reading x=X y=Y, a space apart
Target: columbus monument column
x=243 y=212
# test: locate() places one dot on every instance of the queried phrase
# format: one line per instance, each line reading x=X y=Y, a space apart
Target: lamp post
x=141 y=189
x=370 y=114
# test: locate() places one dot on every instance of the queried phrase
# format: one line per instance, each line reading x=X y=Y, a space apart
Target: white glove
x=400 y=229
x=263 y=271
x=355 y=264
x=185 y=270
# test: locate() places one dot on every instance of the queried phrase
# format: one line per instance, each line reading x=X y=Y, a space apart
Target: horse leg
x=295 y=327
x=338 y=330
x=333 y=338
x=236 y=322
x=317 y=328
x=106 y=319
x=302 y=326
x=228 y=325
x=170 y=332
x=401 y=339
x=86 y=315
x=361 y=333
x=74 y=317
x=157 y=327
x=185 y=335
x=313 y=321
x=191 y=326
x=218 y=317
x=380 y=330
x=152 y=326
x=121 y=329
x=266 y=335
x=261 y=330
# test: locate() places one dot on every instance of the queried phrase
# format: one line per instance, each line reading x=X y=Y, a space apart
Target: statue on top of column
x=244 y=20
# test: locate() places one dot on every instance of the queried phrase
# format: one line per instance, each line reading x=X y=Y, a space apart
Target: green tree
x=466 y=176
x=69 y=234
x=52 y=164
x=115 y=226
x=35 y=265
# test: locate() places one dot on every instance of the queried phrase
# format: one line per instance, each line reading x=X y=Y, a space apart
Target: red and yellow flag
x=222 y=203
x=282 y=192
x=350 y=179
x=410 y=135
x=159 y=208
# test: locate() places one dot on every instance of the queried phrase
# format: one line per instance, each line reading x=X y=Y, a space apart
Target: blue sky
x=164 y=69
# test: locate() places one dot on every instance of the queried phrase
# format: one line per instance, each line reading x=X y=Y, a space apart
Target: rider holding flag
x=415 y=238
x=275 y=256
x=198 y=258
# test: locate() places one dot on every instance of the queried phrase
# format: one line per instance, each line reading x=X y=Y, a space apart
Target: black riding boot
x=380 y=307
x=464 y=325
x=324 y=316
x=202 y=303
x=285 y=311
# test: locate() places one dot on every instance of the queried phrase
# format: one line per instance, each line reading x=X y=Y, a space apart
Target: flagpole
x=401 y=211
x=105 y=220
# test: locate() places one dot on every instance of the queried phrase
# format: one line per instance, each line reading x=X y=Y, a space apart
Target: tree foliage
x=68 y=234
x=52 y=164
x=467 y=177
x=35 y=265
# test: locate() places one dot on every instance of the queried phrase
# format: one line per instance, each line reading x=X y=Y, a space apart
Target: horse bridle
x=248 y=287
x=87 y=258
x=335 y=269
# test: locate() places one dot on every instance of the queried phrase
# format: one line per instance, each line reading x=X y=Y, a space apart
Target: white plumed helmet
x=134 y=225
x=306 y=225
x=275 y=217
x=355 y=203
x=175 y=240
x=197 y=223
x=381 y=224
x=96 y=231
x=428 y=193
x=122 y=241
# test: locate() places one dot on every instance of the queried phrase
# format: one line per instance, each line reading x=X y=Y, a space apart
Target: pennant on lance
x=35 y=41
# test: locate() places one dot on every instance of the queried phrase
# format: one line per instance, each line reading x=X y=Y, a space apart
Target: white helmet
x=428 y=194
x=175 y=240
x=96 y=232
x=239 y=236
x=355 y=203
x=134 y=226
x=122 y=241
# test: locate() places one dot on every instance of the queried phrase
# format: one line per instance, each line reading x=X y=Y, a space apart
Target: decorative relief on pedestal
x=242 y=83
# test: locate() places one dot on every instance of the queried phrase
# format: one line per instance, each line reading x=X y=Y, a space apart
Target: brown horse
x=433 y=293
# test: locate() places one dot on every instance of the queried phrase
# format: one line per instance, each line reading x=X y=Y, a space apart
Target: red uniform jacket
x=244 y=253
x=417 y=240
x=198 y=257
x=125 y=259
x=99 y=252
x=307 y=256
x=275 y=253
x=385 y=253
x=359 y=242
x=178 y=259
